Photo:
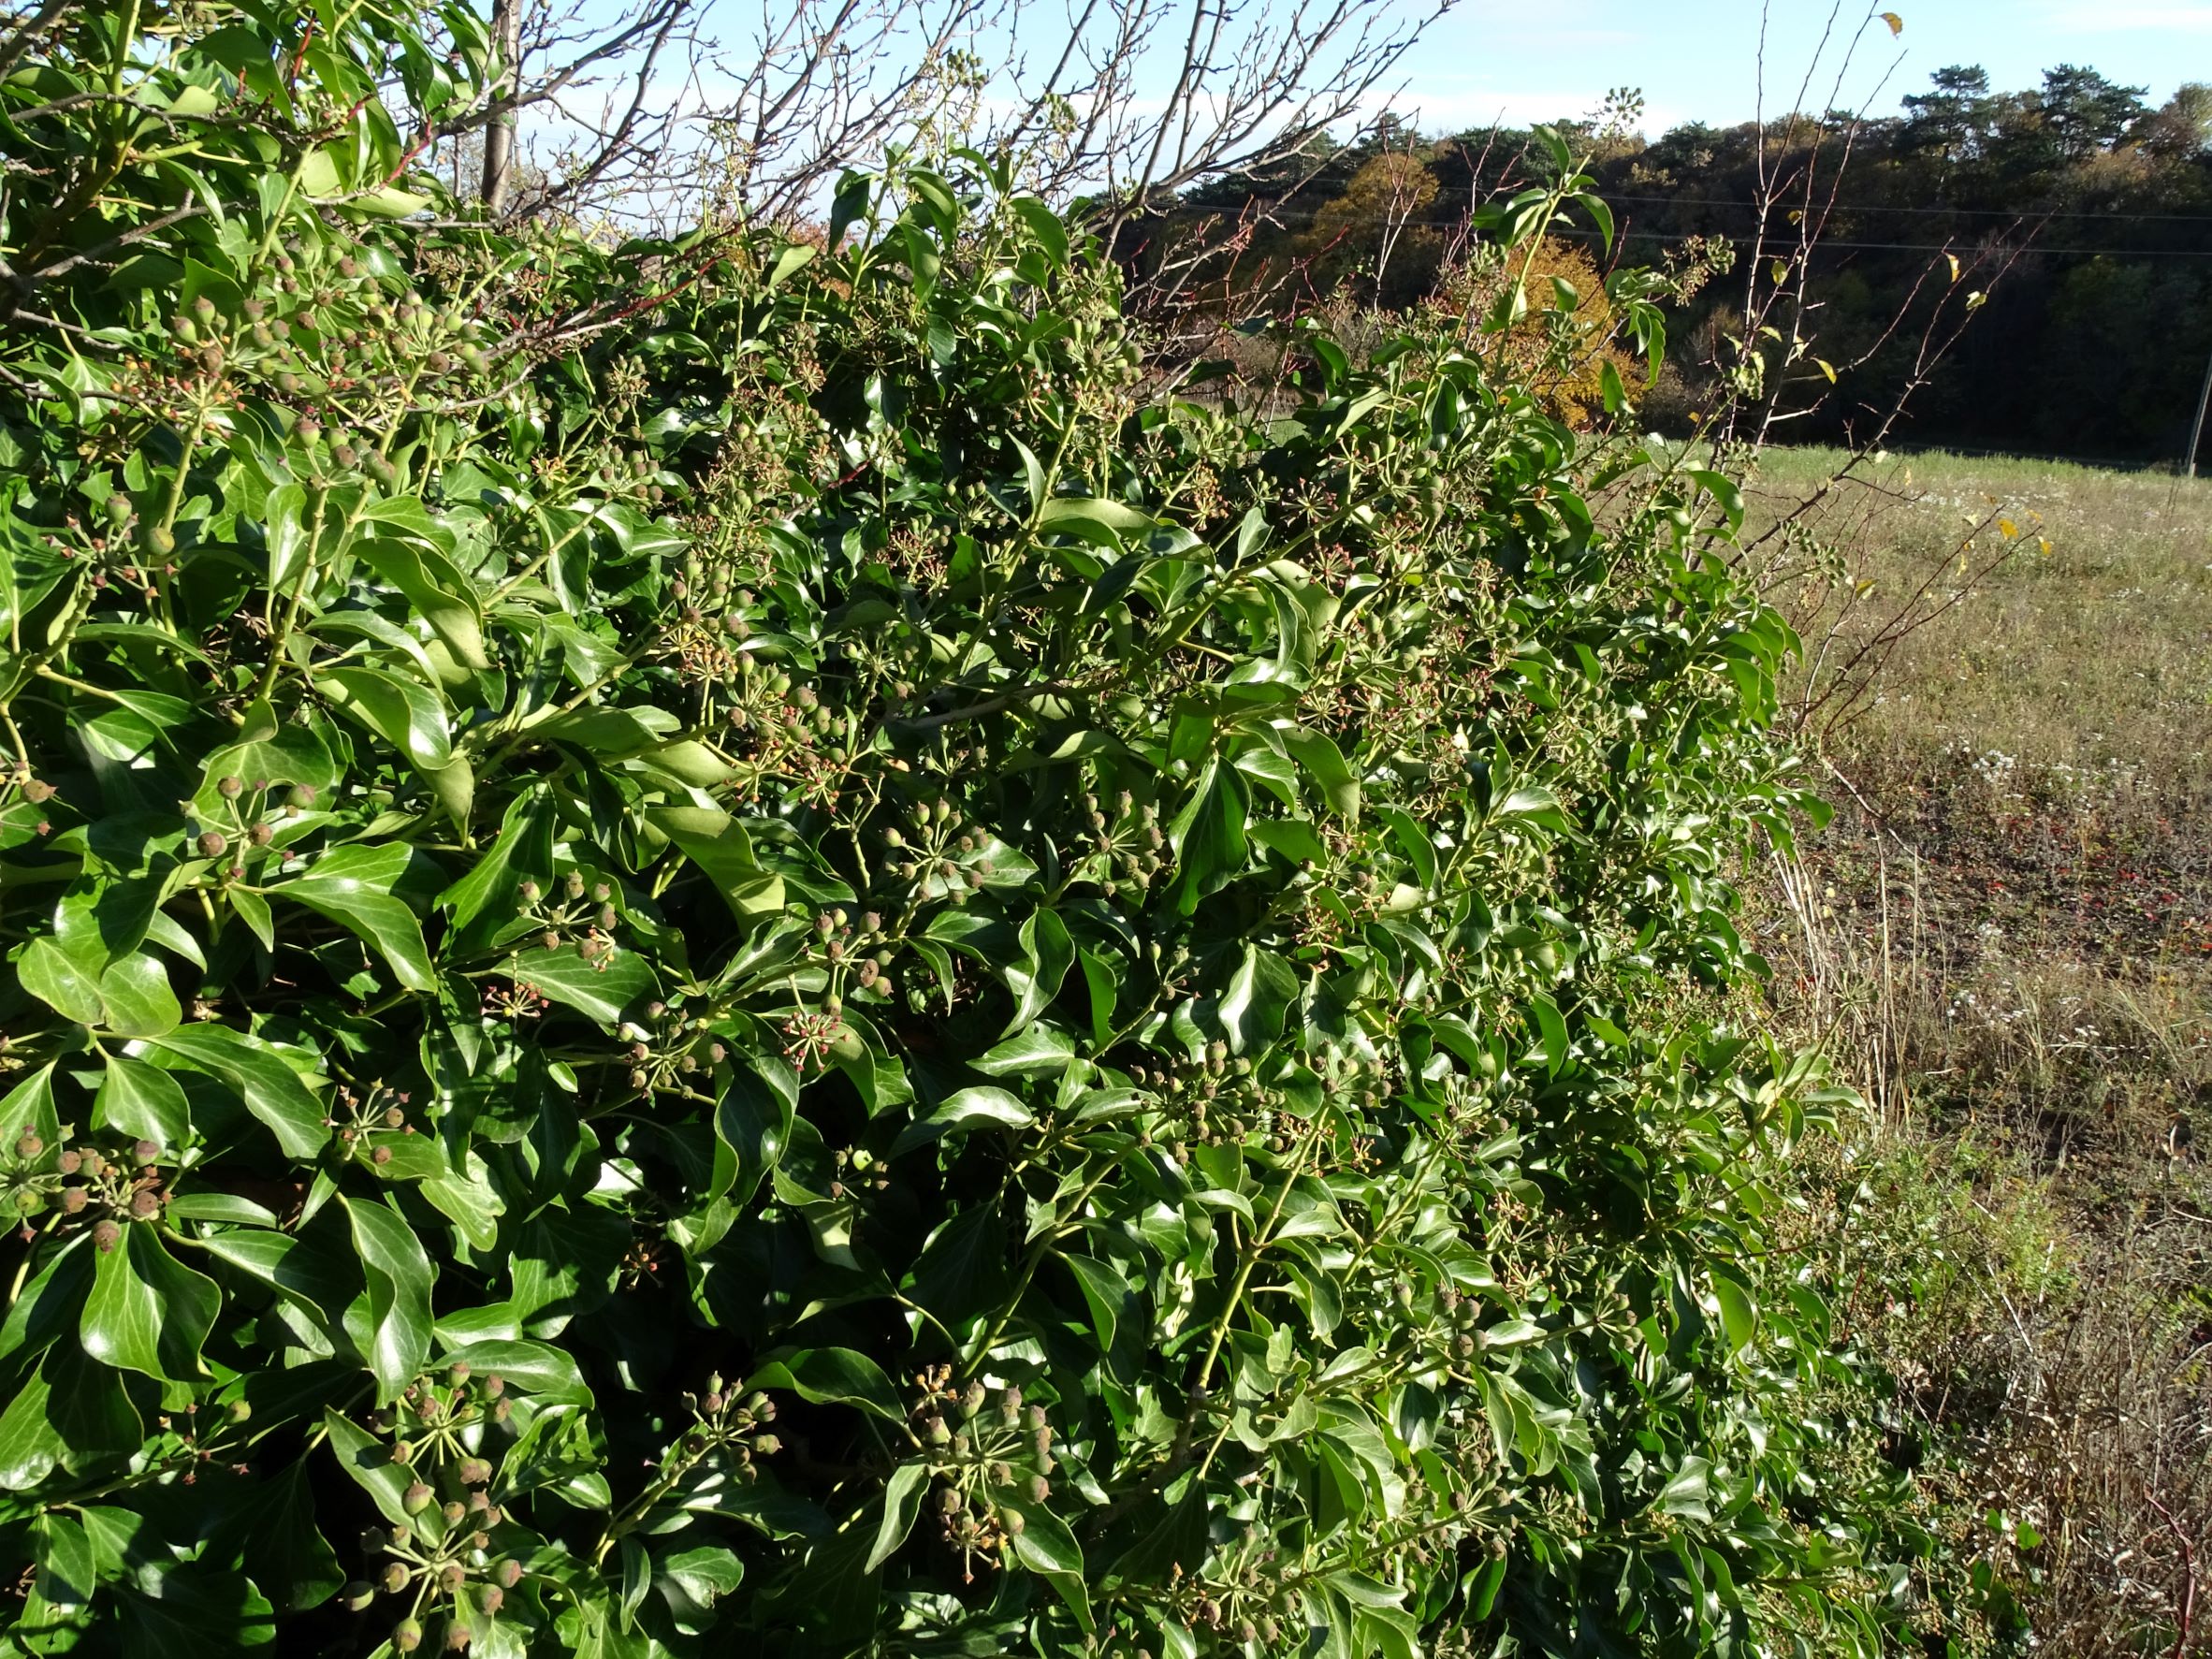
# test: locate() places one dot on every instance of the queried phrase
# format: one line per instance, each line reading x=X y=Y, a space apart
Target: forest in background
x=2081 y=211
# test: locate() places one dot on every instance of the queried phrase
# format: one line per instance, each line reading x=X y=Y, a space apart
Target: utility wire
x=1780 y=242
x=1718 y=202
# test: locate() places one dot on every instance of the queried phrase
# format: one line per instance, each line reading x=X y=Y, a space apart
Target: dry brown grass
x=2007 y=937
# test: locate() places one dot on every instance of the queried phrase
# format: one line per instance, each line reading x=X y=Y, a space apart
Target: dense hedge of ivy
x=709 y=949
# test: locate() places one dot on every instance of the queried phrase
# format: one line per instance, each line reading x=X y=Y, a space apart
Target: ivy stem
x=22 y=1268
x=1030 y=1263
x=1248 y=1260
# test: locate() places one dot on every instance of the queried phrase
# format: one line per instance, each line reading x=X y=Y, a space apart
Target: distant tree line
x=2091 y=342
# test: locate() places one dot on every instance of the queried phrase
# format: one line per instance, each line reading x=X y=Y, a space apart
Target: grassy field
x=2006 y=937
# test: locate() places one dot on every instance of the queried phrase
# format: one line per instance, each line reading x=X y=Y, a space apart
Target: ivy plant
x=712 y=943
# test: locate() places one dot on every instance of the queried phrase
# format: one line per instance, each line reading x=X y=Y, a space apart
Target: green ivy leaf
x=544 y=1373
x=143 y=1101
x=354 y=886
x=902 y=1502
x=64 y=985
x=368 y=1461
x=1739 y=1310
x=967 y=1109
x=147 y=1312
x=832 y=1376
x=601 y=991
x=1044 y=1546
x=271 y=1089
x=29 y=1445
x=403 y=712
x=1105 y=1290
x=137 y=998
x=284 y=1549
x=692 y=1581
x=393 y=1329
x=1208 y=835
x=1047 y=952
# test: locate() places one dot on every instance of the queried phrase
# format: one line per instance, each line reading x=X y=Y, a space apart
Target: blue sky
x=1697 y=59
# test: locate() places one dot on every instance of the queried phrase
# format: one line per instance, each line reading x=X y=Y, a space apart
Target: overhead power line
x=1718 y=202
x=1781 y=243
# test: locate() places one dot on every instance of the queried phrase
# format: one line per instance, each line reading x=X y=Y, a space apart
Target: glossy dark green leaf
x=29 y=1446
x=1103 y=1290
x=138 y=1000
x=1208 y=835
x=544 y=1373
x=969 y=1108
x=1258 y=994
x=403 y=712
x=1320 y=759
x=437 y=590
x=716 y=843
x=1739 y=1310
x=143 y=1101
x=66 y=1577
x=271 y=1089
x=753 y=1121
x=692 y=1581
x=183 y=1613
x=1035 y=1051
x=322 y=1284
x=1045 y=1546
x=1047 y=952
x=521 y=852
x=962 y=1270
x=46 y=1306
x=285 y=1553
x=393 y=1328
x=1551 y=1030
x=902 y=1502
x=90 y=1407
x=147 y=1310
x=354 y=886
x=1101 y=522
x=68 y=987
x=831 y=1376
x=600 y=989
x=368 y=1461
